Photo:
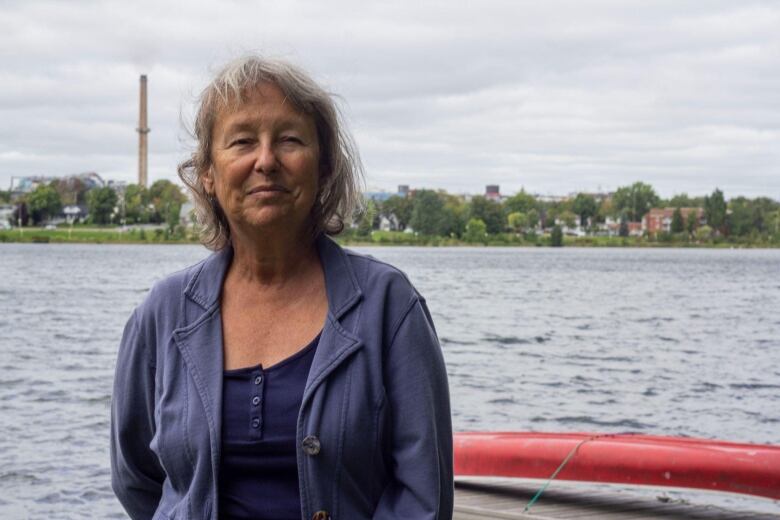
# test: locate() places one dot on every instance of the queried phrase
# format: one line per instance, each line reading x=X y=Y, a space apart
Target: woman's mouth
x=268 y=190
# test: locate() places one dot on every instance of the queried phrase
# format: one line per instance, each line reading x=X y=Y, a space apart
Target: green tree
x=517 y=221
x=476 y=231
x=766 y=205
x=400 y=207
x=456 y=213
x=715 y=210
x=136 y=204
x=43 y=203
x=750 y=216
x=585 y=206
x=623 y=229
x=5 y=197
x=489 y=212
x=556 y=237
x=568 y=218
x=635 y=200
x=548 y=217
x=703 y=233
x=773 y=222
x=533 y=218
x=101 y=203
x=366 y=222
x=692 y=222
x=167 y=199
x=520 y=202
x=428 y=215
x=682 y=200
x=678 y=226
x=742 y=219
x=72 y=190
x=606 y=209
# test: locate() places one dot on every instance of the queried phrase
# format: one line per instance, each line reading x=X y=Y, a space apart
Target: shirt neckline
x=259 y=367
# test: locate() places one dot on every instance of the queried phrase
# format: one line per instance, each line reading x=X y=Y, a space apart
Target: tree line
x=438 y=213
x=133 y=204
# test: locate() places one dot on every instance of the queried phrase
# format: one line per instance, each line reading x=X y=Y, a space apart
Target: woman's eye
x=240 y=141
x=290 y=139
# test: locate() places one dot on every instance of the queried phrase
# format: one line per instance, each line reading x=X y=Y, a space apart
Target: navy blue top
x=258 y=473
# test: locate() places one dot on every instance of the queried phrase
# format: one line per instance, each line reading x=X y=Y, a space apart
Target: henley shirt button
x=311 y=446
x=255 y=400
x=321 y=515
x=255 y=422
x=258 y=380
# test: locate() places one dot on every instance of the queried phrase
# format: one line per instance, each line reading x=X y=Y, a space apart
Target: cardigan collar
x=341 y=283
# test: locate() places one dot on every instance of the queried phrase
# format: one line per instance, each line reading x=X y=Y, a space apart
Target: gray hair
x=341 y=171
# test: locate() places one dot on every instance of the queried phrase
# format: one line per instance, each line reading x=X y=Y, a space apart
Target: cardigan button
x=311 y=446
x=321 y=515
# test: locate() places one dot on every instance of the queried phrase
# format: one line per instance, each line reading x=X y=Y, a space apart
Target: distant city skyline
x=557 y=98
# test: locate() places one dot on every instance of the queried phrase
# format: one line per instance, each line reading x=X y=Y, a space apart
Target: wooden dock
x=484 y=499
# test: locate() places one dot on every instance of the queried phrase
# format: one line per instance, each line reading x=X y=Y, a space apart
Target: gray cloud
x=554 y=97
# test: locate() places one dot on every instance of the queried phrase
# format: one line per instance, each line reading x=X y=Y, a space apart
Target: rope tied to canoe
x=562 y=465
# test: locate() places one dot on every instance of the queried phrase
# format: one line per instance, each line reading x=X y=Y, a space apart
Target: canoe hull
x=750 y=469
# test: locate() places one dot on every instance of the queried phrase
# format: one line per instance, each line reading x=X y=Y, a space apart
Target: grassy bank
x=382 y=238
x=108 y=235
x=116 y=235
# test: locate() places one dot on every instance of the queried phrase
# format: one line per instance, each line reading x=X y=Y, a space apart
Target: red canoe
x=751 y=469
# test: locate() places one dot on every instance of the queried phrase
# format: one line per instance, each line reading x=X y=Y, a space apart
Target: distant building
x=6 y=215
x=598 y=196
x=551 y=198
x=90 y=179
x=492 y=192
x=74 y=213
x=117 y=186
x=659 y=220
x=403 y=190
x=23 y=185
x=611 y=227
x=389 y=223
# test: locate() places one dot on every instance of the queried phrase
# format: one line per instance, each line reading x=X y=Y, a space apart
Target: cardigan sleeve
x=419 y=436
x=136 y=474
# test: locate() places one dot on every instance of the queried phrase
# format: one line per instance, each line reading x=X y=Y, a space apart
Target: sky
x=552 y=97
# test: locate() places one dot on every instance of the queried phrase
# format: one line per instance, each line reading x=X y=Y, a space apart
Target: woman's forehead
x=257 y=100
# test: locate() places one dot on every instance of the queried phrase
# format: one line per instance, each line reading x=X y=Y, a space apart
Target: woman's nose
x=266 y=160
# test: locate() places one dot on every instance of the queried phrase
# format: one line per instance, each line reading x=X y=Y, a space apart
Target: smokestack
x=142 y=131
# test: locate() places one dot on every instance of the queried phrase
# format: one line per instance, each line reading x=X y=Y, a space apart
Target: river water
x=667 y=341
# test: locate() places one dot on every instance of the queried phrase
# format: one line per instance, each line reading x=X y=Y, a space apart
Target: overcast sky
x=552 y=96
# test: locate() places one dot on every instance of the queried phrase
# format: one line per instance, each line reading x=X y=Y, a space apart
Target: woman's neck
x=272 y=260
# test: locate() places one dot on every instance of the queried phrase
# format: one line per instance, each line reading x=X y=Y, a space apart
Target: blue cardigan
x=374 y=427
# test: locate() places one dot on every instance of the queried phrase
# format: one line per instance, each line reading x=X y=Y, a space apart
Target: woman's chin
x=271 y=218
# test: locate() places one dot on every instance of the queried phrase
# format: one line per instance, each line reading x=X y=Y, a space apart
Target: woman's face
x=265 y=163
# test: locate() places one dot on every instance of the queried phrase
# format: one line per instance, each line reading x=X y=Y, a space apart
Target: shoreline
x=161 y=237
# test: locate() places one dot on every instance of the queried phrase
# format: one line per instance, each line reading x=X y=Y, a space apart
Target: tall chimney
x=142 y=131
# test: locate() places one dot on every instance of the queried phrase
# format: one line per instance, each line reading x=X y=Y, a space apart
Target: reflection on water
x=679 y=342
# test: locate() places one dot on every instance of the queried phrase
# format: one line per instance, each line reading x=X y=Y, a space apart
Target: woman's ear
x=208 y=181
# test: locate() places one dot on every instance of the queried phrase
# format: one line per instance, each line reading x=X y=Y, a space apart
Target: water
x=678 y=342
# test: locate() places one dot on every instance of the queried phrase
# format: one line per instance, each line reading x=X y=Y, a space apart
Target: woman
x=282 y=377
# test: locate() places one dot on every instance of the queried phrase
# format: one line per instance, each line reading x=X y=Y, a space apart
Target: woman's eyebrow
x=251 y=123
x=239 y=126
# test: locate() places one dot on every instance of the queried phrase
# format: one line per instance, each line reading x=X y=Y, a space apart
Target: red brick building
x=659 y=220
